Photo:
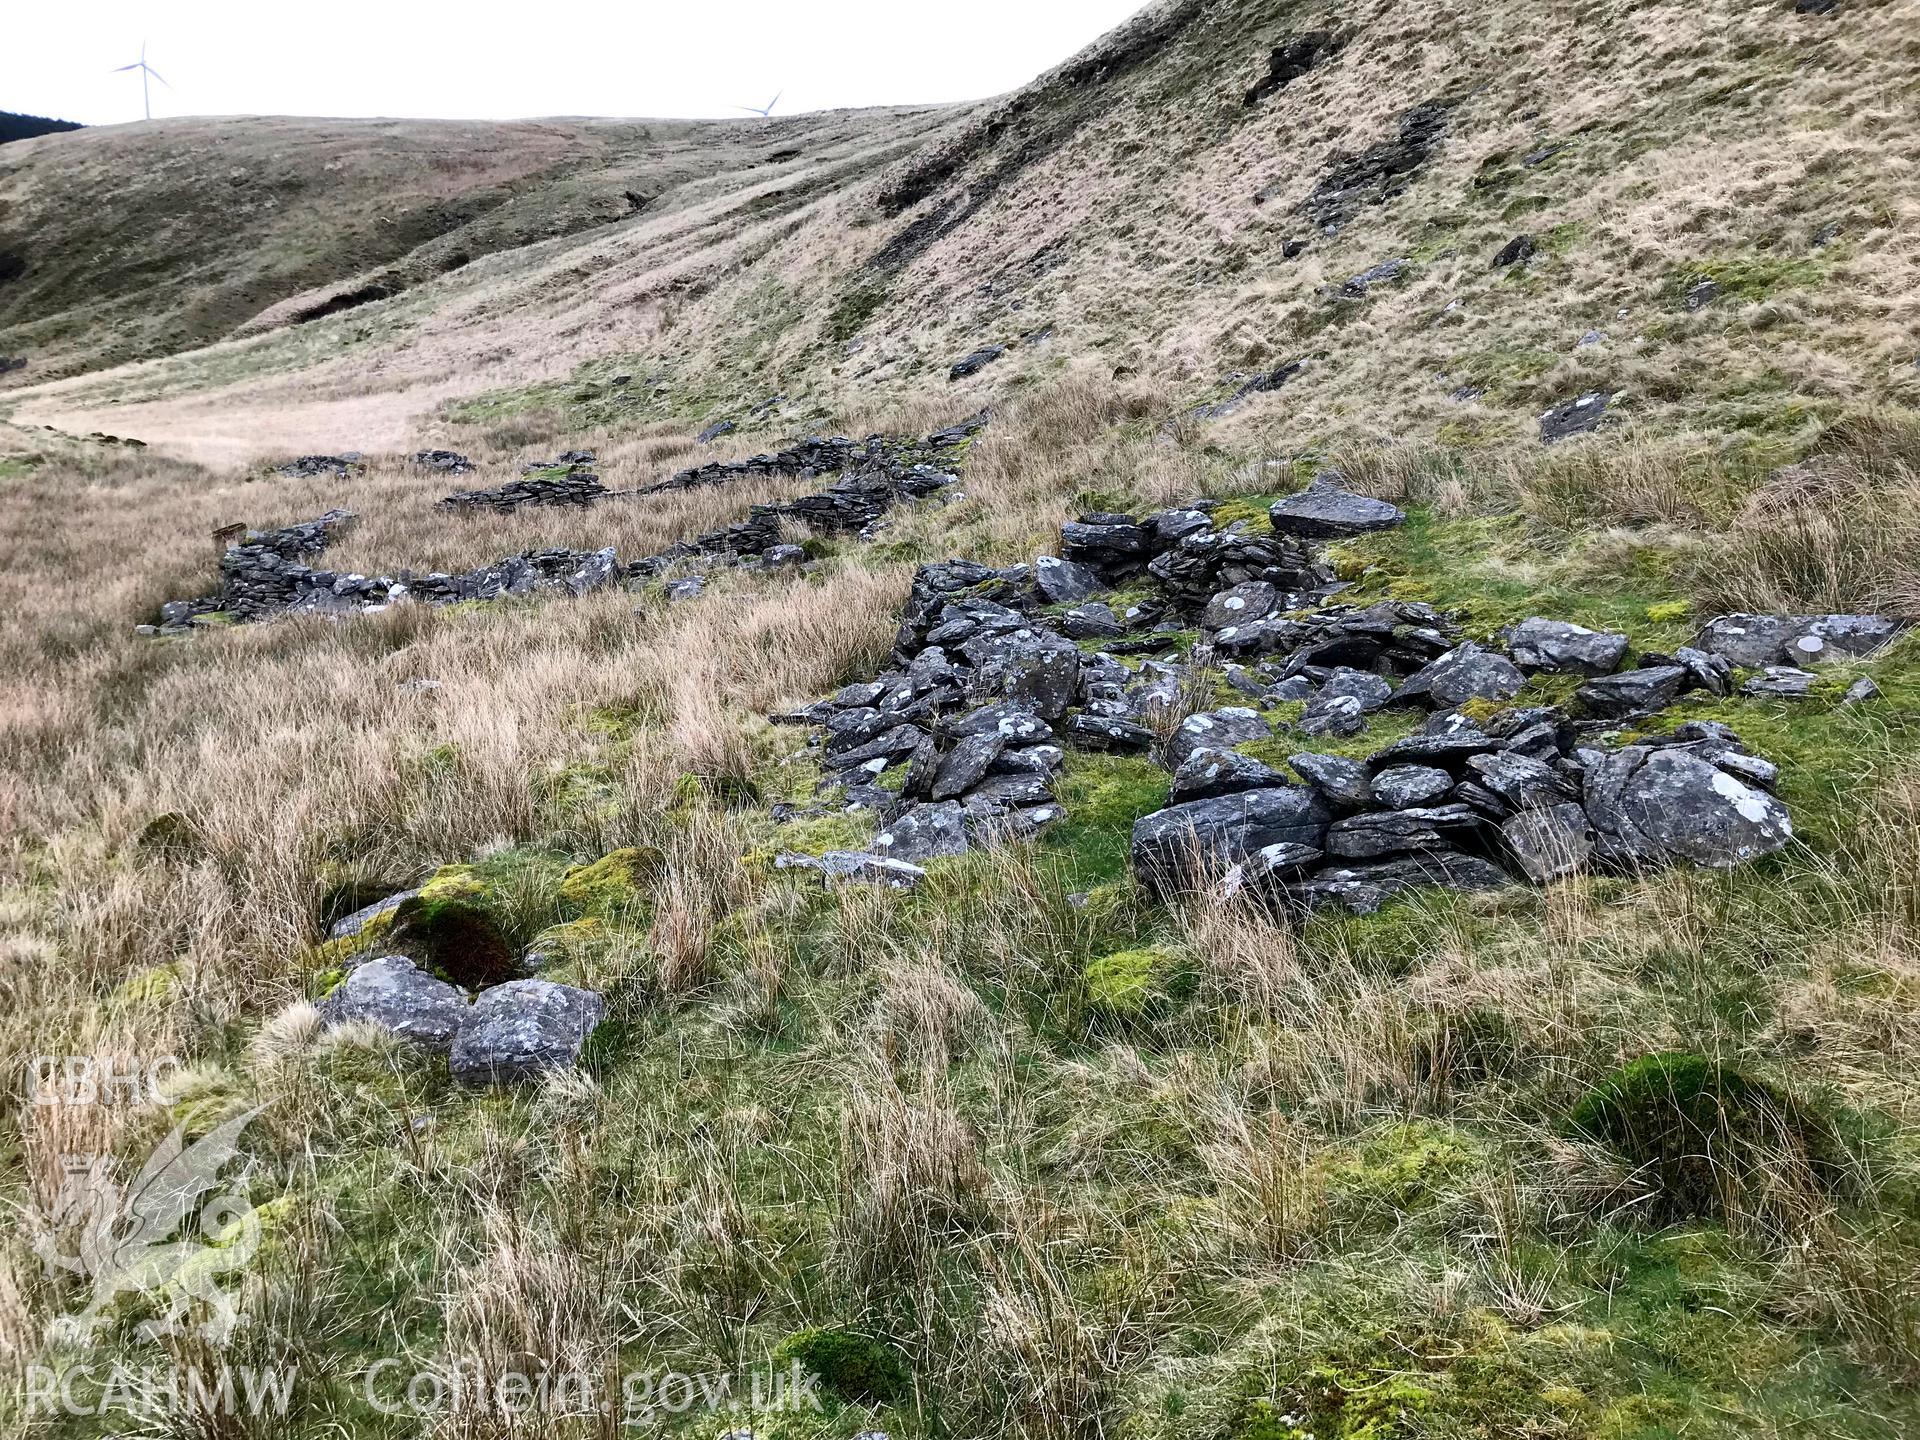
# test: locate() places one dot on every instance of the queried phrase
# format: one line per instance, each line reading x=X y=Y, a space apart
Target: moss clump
x=1263 y=1420
x=1366 y=1407
x=450 y=927
x=1250 y=511
x=171 y=836
x=613 y=880
x=821 y=833
x=1103 y=796
x=1704 y=1132
x=1348 y=1405
x=1347 y=564
x=558 y=952
x=1135 y=985
x=154 y=985
x=852 y=311
x=851 y=1366
x=1405 y=1169
x=1752 y=277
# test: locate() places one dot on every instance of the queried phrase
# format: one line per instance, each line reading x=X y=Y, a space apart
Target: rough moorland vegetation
x=686 y=891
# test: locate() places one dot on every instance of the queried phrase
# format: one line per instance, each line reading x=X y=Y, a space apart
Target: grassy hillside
x=134 y=241
x=1029 y=1150
x=1138 y=208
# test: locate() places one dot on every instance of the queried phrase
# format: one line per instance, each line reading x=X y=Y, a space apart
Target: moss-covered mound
x=1132 y=986
x=851 y=1366
x=1705 y=1134
x=450 y=928
x=611 y=881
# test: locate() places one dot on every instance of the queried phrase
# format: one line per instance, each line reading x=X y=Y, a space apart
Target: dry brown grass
x=894 y=1110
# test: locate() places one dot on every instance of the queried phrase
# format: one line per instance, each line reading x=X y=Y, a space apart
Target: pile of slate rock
x=994 y=676
x=446 y=462
x=572 y=487
x=308 y=466
x=986 y=690
x=876 y=475
x=566 y=459
x=828 y=455
x=265 y=572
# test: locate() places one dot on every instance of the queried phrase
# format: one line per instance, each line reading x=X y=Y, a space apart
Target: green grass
x=1103 y=796
x=1752 y=278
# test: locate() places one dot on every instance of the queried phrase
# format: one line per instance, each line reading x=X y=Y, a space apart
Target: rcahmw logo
x=156 y=1393
x=170 y=1236
x=98 y=1079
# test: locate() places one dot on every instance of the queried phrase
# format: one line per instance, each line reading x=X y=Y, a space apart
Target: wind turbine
x=763 y=114
x=145 y=70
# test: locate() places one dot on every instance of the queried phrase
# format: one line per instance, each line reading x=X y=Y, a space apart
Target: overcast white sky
x=487 y=59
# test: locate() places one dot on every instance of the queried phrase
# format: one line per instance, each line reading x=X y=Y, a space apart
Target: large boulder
x=397 y=995
x=1207 y=773
x=1556 y=645
x=1574 y=417
x=1063 y=582
x=1448 y=749
x=1363 y=889
x=1327 y=511
x=1519 y=781
x=1003 y=793
x=1655 y=806
x=1344 y=782
x=1094 y=620
x=926 y=832
x=1466 y=672
x=1753 y=641
x=1634 y=692
x=973 y=364
x=1402 y=787
x=1101 y=732
x=1549 y=842
x=967 y=764
x=1393 y=832
x=1241 y=605
x=522 y=1030
x=1016 y=724
x=1343 y=701
x=1035 y=668
x=1216 y=730
x=1184 y=843
x=895 y=743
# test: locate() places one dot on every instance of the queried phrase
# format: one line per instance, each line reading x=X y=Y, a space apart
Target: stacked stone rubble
x=990 y=686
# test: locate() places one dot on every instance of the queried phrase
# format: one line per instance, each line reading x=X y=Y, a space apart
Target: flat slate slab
x=523 y=1029
x=1325 y=510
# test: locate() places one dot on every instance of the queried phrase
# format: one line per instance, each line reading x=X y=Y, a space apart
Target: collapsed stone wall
x=577 y=487
x=987 y=690
x=264 y=573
